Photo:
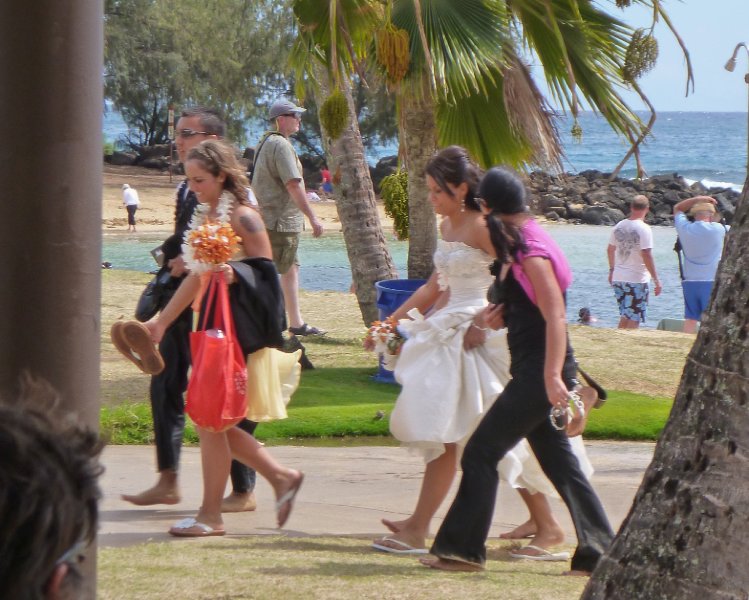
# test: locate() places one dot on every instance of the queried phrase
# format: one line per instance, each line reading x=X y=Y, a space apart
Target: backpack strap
x=251 y=172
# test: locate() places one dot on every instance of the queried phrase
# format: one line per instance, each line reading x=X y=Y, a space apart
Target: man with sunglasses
x=167 y=389
x=279 y=187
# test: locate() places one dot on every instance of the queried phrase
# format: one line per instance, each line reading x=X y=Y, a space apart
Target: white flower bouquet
x=386 y=340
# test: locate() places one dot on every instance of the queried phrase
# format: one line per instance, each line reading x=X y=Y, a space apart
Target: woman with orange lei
x=218 y=181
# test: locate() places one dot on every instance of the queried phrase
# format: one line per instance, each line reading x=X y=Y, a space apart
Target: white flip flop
x=543 y=554
x=190 y=527
x=403 y=547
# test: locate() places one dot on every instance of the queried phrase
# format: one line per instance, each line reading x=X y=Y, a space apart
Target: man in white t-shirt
x=631 y=264
x=132 y=202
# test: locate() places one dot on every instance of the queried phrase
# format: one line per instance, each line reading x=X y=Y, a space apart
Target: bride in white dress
x=452 y=367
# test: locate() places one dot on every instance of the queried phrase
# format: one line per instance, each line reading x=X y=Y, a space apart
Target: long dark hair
x=504 y=194
x=453 y=165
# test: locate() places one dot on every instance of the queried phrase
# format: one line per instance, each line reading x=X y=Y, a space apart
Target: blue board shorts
x=696 y=298
x=632 y=299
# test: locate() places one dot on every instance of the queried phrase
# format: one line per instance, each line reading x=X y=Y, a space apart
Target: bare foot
x=446 y=564
x=158 y=494
x=395 y=526
x=526 y=530
x=239 y=502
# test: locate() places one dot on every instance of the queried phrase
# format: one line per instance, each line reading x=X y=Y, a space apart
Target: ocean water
x=707 y=147
x=700 y=146
x=324 y=266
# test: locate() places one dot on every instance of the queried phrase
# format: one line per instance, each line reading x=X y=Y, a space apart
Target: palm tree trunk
x=418 y=137
x=685 y=536
x=367 y=249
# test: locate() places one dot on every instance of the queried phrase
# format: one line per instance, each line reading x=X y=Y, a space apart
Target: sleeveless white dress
x=446 y=389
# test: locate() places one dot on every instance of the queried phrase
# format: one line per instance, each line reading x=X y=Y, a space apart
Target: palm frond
x=463 y=40
x=480 y=123
x=585 y=57
x=530 y=115
x=344 y=46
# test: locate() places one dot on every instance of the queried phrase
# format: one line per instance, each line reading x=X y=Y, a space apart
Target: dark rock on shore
x=593 y=198
x=121 y=158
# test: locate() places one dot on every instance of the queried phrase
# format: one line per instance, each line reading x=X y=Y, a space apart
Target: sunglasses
x=188 y=133
x=74 y=555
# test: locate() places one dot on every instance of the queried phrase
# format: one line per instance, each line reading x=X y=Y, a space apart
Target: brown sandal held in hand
x=133 y=340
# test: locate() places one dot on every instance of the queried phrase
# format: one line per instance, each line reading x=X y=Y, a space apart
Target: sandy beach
x=156 y=191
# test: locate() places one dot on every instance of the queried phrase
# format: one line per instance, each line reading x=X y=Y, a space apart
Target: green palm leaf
x=463 y=39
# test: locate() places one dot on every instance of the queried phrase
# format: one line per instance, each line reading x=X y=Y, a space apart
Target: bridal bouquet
x=212 y=243
x=387 y=341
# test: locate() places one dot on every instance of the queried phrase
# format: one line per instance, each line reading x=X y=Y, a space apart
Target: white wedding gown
x=446 y=389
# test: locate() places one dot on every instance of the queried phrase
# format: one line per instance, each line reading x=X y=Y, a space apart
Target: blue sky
x=710 y=29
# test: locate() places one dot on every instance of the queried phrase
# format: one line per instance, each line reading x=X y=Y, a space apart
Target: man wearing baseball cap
x=701 y=242
x=279 y=187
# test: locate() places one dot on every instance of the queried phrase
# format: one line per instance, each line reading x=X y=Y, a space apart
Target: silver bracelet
x=479 y=328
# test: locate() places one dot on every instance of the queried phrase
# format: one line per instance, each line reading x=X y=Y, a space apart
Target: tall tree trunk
x=418 y=139
x=367 y=249
x=50 y=231
x=686 y=534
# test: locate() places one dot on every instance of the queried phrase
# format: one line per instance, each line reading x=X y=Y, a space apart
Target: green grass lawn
x=290 y=568
x=333 y=403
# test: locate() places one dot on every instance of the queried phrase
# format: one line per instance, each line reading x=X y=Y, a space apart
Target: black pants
x=242 y=476
x=168 y=405
x=521 y=411
x=131 y=208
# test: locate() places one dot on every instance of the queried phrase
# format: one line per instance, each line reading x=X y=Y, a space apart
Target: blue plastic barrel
x=391 y=293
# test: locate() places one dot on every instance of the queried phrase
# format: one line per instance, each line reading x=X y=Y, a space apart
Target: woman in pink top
x=528 y=297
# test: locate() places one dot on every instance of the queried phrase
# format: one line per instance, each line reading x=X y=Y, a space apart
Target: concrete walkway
x=346 y=491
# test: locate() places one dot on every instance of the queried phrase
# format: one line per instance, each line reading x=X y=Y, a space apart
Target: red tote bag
x=216 y=394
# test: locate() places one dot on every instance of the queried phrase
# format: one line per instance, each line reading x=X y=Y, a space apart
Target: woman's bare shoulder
x=248 y=217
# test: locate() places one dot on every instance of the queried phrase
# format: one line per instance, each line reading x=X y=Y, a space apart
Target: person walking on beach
x=326 y=183
x=221 y=186
x=279 y=186
x=467 y=362
x=631 y=264
x=168 y=387
x=701 y=241
x=532 y=277
x=132 y=202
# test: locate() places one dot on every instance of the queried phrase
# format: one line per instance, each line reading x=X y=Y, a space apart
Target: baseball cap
x=284 y=107
x=125 y=186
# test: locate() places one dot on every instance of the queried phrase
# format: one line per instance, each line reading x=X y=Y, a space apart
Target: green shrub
x=394 y=192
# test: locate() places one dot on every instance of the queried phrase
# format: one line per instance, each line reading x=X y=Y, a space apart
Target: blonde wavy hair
x=217 y=157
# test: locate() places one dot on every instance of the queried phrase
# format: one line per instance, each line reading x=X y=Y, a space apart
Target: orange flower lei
x=210 y=242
